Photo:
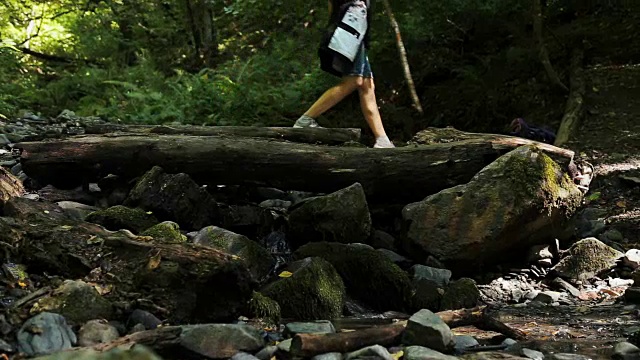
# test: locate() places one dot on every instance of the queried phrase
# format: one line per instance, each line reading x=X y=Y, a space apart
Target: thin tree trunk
x=403 y=58
x=542 y=49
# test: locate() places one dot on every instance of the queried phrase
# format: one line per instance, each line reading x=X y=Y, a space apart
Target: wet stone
x=45 y=333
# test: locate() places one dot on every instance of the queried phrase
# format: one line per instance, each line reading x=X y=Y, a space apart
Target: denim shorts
x=361 y=66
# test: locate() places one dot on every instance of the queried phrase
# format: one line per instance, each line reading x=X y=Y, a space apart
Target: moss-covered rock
x=166 y=232
x=77 y=301
x=342 y=216
x=265 y=308
x=369 y=276
x=521 y=199
x=122 y=217
x=461 y=294
x=314 y=291
x=174 y=197
x=256 y=258
x=587 y=258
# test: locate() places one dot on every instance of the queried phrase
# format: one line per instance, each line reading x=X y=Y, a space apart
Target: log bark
x=10 y=186
x=307 y=345
x=327 y=136
x=574 y=109
x=403 y=174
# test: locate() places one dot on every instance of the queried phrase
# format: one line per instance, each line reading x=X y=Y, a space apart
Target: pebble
x=95 y=332
x=375 y=351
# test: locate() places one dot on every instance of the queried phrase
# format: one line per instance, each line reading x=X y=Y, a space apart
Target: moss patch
x=461 y=294
x=166 y=232
x=265 y=308
x=587 y=258
x=368 y=275
x=122 y=217
x=315 y=291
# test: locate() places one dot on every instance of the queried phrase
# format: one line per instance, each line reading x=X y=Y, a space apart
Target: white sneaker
x=306 y=121
x=383 y=142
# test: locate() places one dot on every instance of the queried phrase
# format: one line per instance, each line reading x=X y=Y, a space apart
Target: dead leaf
x=397 y=355
x=285 y=274
x=621 y=204
x=154 y=261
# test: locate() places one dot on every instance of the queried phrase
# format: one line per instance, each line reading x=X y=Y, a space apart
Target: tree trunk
x=401 y=174
x=575 y=104
x=403 y=58
x=542 y=49
x=327 y=136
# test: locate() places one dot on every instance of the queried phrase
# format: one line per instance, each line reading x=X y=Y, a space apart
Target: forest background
x=475 y=64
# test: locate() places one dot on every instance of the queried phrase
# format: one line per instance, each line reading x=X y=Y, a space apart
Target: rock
x=425 y=328
x=263 y=307
x=632 y=258
x=632 y=295
x=257 y=258
x=423 y=353
x=369 y=276
x=136 y=328
x=314 y=291
x=547 y=297
x=463 y=342
x=625 y=351
x=521 y=199
x=285 y=346
x=508 y=290
x=249 y=220
x=375 y=352
x=10 y=186
x=382 y=240
x=397 y=259
x=77 y=301
x=267 y=352
x=590 y=222
x=540 y=255
x=587 y=258
x=218 y=341
x=328 y=356
x=243 y=356
x=316 y=327
x=611 y=235
x=532 y=354
x=491 y=355
x=4 y=141
x=342 y=216
x=275 y=204
x=76 y=210
x=122 y=217
x=147 y=319
x=44 y=334
x=428 y=295
x=568 y=356
x=95 y=332
x=167 y=232
x=462 y=293
x=52 y=194
x=174 y=197
x=439 y=276
x=139 y=352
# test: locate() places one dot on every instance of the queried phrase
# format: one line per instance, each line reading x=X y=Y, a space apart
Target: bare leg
x=333 y=96
x=369 y=107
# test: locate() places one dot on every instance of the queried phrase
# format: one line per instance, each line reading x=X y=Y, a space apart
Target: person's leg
x=329 y=99
x=369 y=105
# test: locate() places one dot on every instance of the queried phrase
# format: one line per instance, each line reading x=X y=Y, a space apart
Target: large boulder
x=257 y=258
x=174 y=197
x=369 y=276
x=314 y=291
x=521 y=199
x=122 y=217
x=342 y=216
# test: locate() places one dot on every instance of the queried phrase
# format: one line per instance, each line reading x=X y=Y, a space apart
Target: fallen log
x=10 y=186
x=575 y=103
x=329 y=136
x=307 y=345
x=403 y=174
